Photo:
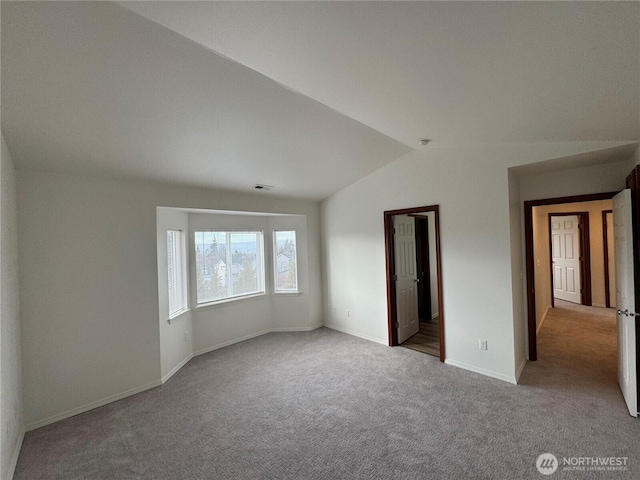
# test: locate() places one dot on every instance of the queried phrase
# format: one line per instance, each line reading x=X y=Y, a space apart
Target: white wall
x=10 y=351
x=291 y=311
x=518 y=281
x=176 y=346
x=89 y=284
x=478 y=246
x=601 y=178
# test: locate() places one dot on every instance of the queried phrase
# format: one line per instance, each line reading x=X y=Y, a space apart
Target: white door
x=565 y=254
x=625 y=299
x=404 y=239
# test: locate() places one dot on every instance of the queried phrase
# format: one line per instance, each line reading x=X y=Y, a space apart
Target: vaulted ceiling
x=306 y=96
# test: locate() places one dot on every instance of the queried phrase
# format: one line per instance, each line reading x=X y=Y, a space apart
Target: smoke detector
x=424 y=141
x=260 y=186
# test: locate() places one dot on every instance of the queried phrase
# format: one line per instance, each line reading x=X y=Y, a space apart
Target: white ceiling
x=311 y=96
x=461 y=73
x=93 y=89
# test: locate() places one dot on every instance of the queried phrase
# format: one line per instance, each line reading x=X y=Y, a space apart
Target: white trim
x=296 y=329
x=90 y=406
x=230 y=342
x=258 y=334
x=175 y=369
x=357 y=334
x=544 y=317
x=14 y=458
x=520 y=369
x=482 y=371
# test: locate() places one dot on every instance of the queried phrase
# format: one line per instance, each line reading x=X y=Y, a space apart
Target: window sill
x=228 y=301
x=287 y=294
x=179 y=316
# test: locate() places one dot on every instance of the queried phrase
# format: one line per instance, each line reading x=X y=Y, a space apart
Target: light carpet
x=325 y=405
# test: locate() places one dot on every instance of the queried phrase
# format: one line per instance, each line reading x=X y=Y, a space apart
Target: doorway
x=414 y=284
x=533 y=313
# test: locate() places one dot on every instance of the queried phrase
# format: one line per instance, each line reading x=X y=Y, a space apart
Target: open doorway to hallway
x=538 y=260
x=569 y=255
x=625 y=350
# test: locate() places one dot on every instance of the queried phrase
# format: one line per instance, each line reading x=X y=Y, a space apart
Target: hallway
x=577 y=352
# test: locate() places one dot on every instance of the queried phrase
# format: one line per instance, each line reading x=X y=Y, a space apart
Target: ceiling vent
x=260 y=186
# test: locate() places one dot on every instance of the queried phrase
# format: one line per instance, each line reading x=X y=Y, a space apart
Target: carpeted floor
x=325 y=405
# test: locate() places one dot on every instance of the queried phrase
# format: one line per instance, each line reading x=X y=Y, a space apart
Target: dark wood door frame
x=605 y=247
x=392 y=311
x=585 y=256
x=529 y=258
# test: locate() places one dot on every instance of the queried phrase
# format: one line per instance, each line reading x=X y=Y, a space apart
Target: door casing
x=392 y=311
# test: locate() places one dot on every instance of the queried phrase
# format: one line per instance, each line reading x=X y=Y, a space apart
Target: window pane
x=211 y=268
x=286 y=270
x=175 y=270
x=244 y=257
x=228 y=264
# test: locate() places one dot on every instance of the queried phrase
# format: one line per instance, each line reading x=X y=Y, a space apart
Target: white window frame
x=260 y=262
x=275 y=264
x=177 y=262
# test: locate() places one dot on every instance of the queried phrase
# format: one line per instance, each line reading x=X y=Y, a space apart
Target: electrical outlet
x=348 y=314
x=186 y=336
x=482 y=344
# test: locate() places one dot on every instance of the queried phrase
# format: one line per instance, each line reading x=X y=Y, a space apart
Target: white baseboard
x=128 y=393
x=520 y=369
x=435 y=315
x=230 y=342
x=91 y=406
x=544 y=317
x=254 y=335
x=14 y=458
x=357 y=334
x=482 y=371
x=297 y=329
x=175 y=369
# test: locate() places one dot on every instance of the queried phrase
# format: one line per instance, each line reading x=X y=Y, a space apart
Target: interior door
x=625 y=299
x=565 y=251
x=406 y=278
